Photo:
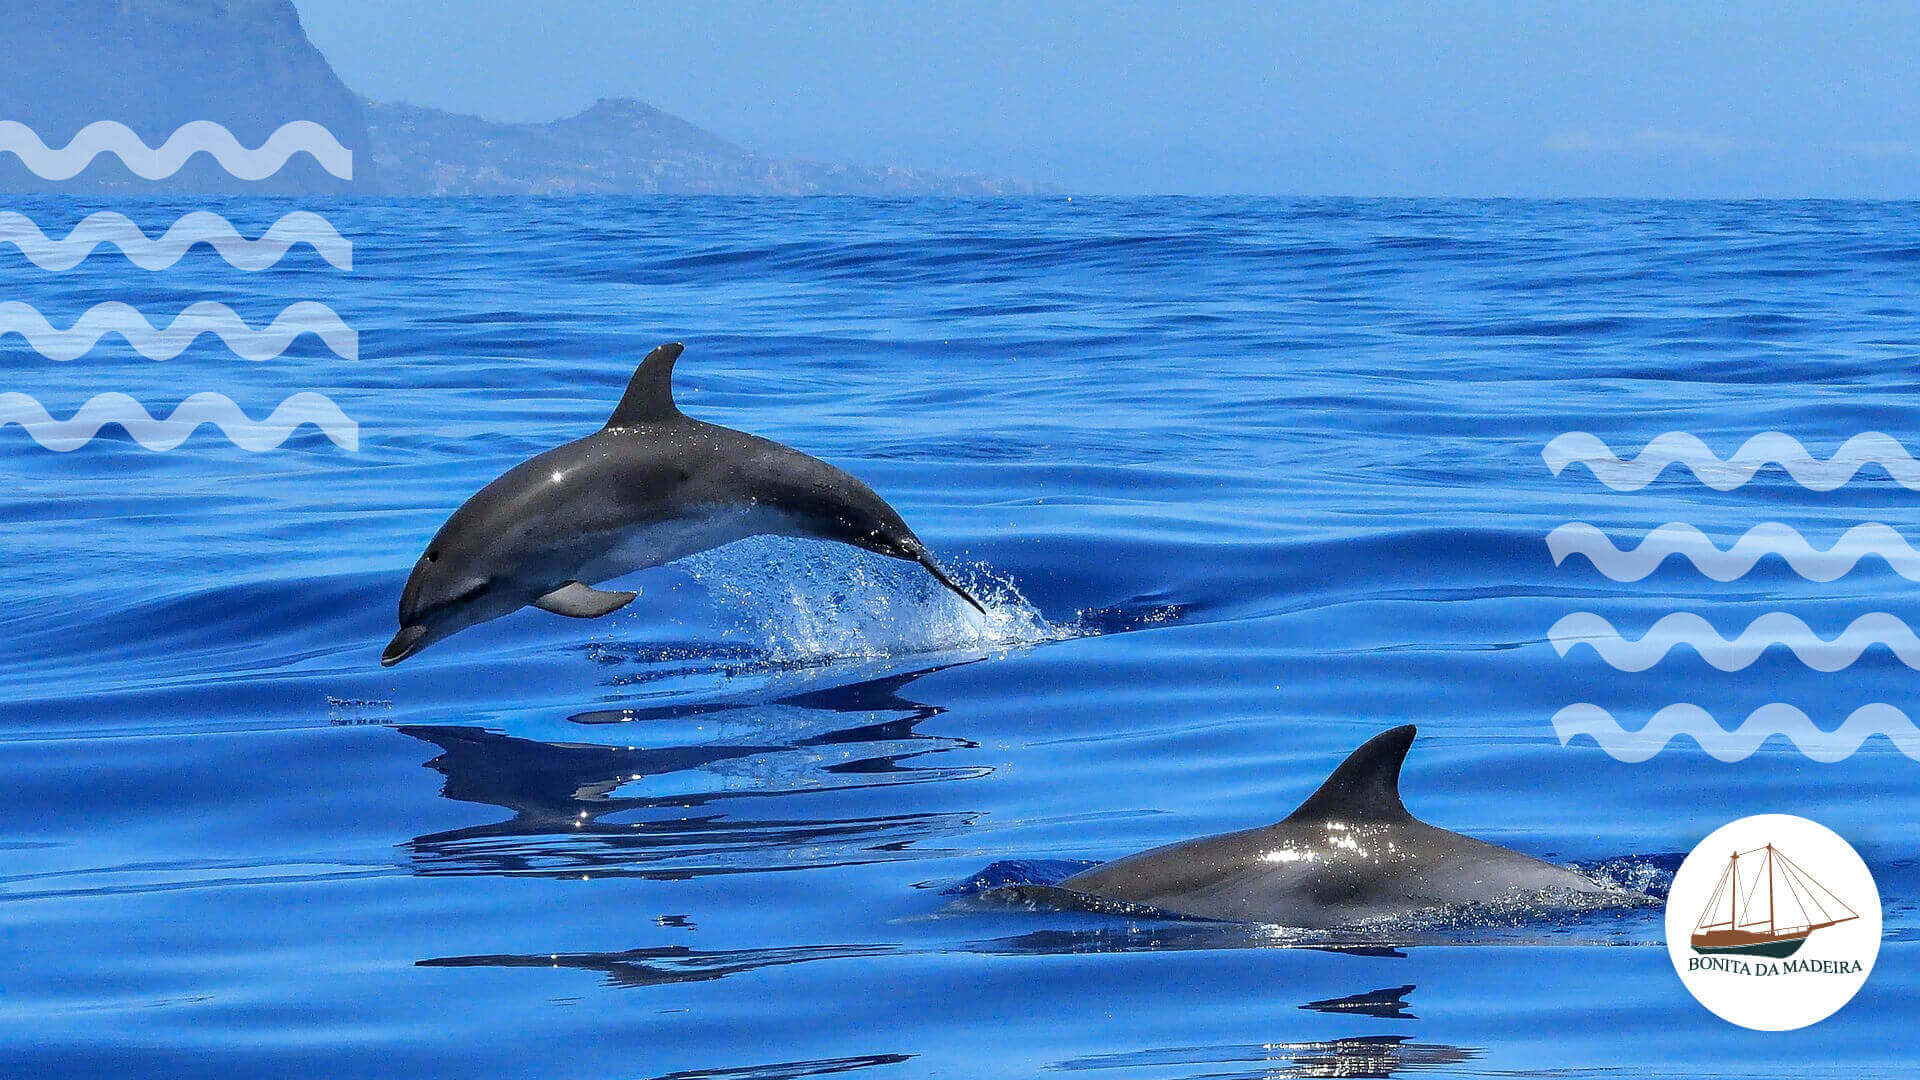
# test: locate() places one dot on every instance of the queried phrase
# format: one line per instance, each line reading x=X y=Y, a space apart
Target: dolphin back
x=1348 y=854
x=800 y=494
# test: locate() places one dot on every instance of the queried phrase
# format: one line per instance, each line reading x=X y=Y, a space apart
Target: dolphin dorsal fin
x=1366 y=786
x=649 y=393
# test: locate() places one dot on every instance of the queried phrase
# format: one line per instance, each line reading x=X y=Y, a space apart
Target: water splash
x=793 y=603
x=1649 y=874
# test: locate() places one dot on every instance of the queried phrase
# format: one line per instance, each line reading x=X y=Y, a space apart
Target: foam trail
x=203 y=408
x=1773 y=628
x=158 y=163
x=1739 y=744
x=1771 y=447
x=201 y=226
x=1769 y=538
x=205 y=317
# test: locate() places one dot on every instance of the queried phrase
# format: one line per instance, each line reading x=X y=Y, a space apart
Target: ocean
x=1244 y=482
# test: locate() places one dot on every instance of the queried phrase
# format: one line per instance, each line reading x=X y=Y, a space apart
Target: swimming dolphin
x=650 y=487
x=1350 y=853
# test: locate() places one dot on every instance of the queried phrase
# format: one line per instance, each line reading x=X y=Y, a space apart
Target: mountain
x=155 y=65
x=618 y=146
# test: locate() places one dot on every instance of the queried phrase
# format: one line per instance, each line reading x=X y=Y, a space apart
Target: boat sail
x=1796 y=906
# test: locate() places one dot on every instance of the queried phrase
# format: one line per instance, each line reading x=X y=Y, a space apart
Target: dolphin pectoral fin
x=941 y=576
x=577 y=601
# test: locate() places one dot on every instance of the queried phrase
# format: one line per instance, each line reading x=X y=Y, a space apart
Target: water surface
x=1248 y=480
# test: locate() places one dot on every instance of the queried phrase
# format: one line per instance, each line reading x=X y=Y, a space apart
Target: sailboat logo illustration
x=1765 y=905
x=1744 y=904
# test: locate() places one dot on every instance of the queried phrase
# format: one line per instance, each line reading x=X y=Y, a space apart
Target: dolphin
x=652 y=486
x=1350 y=853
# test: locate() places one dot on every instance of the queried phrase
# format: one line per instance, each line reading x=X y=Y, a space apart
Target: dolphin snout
x=940 y=575
x=410 y=640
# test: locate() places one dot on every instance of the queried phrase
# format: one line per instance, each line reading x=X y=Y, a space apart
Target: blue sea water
x=1247 y=481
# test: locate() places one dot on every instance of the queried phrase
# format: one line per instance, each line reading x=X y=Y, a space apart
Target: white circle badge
x=1773 y=922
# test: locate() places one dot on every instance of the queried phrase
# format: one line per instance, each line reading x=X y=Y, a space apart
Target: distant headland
x=155 y=65
x=620 y=145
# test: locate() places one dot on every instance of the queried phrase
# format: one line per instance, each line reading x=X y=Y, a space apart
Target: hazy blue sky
x=1475 y=98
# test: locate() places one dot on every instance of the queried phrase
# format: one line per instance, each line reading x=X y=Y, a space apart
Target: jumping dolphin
x=1350 y=853
x=650 y=487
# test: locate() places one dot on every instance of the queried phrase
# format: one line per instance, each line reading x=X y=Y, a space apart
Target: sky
x=1477 y=97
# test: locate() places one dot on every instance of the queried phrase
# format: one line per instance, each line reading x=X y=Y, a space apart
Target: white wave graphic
x=204 y=408
x=201 y=226
x=1770 y=538
x=205 y=317
x=1739 y=744
x=195 y=137
x=1773 y=628
x=1771 y=447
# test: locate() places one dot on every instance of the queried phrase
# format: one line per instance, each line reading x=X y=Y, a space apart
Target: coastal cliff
x=154 y=65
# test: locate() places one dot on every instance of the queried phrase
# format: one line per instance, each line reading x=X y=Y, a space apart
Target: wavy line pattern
x=1771 y=447
x=205 y=317
x=158 y=163
x=1769 y=538
x=1773 y=628
x=204 y=408
x=1739 y=744
x=201 y=226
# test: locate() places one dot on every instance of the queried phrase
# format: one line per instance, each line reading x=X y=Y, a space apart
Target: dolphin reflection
x=1386 y=1004
x=665 y=964
x=586 y=808
x=1360 y=1056
x=1363 y=1056
x=676 y=963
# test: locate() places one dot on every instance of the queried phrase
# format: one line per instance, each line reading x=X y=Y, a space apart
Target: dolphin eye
x=433 y=556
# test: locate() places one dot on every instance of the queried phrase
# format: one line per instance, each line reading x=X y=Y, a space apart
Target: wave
x=1772 y=447
x=1773 y=628
x=1739 y=744
x=203 y=408
x=201 y=226
x=1768 y=538
x=205 y=317
x=158 y=163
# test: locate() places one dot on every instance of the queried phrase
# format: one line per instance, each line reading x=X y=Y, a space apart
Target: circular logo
x=1773 y=922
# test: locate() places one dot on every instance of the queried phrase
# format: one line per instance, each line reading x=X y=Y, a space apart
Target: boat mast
x=1771 y=928
x=1733 y=875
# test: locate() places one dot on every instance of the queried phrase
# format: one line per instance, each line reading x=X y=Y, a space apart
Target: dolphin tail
x=940 y=575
